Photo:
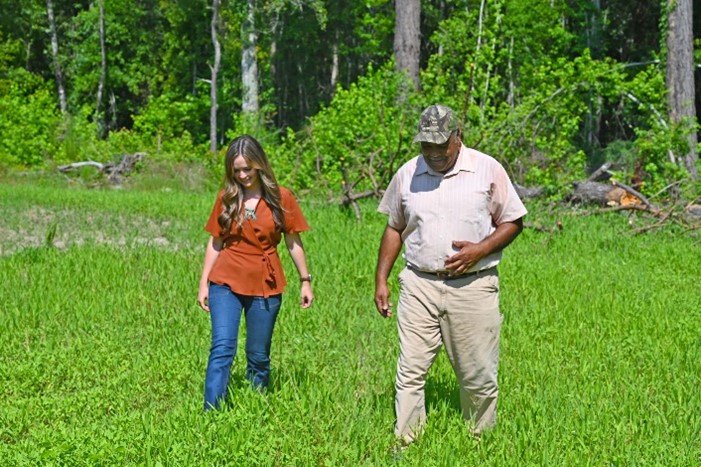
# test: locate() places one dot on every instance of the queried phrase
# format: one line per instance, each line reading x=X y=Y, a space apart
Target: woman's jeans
x=225 y=310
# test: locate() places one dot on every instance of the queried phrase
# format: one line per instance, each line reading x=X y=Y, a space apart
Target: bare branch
x=603 y=170
x=76 y=165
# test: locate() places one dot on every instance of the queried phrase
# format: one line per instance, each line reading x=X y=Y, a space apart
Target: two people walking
x=452 y=208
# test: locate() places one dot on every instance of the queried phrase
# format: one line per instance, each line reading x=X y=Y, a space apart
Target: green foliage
x=77 y=138
x=184 y=46
x=363 y=131
x=374 y=30
x=655 y=149
x=541 y=135
x=292 y=162
x=658 y=144
x=530 y=95
x=168 y=117
x=9 y=50
x=130 y=48
x=29 y=119
x=483 y=71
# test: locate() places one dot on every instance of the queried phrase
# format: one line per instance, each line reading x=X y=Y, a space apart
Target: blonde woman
x=242 y=272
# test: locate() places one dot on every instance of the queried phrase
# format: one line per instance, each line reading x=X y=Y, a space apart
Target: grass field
x=103 y=348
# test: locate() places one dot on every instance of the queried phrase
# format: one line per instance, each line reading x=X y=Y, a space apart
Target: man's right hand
x=389 y=250
x=384 y=307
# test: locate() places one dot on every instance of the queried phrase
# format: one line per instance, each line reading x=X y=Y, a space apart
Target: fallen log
x=114 y=171
x=607 y=194
x=587 y=191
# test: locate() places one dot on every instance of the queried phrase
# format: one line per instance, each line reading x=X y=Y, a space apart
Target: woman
x=242 y=271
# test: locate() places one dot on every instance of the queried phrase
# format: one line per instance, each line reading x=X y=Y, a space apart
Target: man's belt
x=445 y=275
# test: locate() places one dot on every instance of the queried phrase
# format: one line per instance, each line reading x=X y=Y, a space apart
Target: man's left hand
x=467 y=256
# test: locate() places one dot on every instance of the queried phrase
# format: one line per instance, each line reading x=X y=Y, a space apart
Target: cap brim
x=435 y=137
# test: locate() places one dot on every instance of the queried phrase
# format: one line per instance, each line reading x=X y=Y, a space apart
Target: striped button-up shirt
x=432 y=209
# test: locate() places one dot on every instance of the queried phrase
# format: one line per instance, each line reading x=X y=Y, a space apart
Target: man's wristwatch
x=306 y=279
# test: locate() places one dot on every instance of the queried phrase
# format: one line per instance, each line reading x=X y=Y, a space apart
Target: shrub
x=29 y=119
x=365 y=131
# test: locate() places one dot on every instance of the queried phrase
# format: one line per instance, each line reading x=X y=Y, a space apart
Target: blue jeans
x=225 y=311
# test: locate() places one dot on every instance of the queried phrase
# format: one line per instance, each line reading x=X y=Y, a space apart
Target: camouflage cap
x=436 y=124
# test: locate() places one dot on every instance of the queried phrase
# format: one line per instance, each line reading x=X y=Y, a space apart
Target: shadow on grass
x=442 y=389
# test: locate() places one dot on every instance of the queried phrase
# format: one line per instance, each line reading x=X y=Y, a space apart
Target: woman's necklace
x=249 y=207
x=249 y=213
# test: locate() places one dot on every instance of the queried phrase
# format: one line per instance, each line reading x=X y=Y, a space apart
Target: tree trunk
x=334 y=63
x=58 y=73
x=407 y=46
x=510 y=73
x=469 y=95
x=216 y=4
x=594 y=36
x=680 y=75
x=113 y=110
x=99 y=121
x=301 y=93
x=249 y=64
x=592 y=122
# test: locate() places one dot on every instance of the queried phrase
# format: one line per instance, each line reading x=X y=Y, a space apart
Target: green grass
x=103 y=348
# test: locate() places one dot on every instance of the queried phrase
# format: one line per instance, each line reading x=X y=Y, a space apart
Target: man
x=455 y=210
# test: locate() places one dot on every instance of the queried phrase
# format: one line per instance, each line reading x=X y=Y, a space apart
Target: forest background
x=551 y=88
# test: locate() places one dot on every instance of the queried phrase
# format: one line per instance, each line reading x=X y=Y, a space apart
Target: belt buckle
x=443 y=275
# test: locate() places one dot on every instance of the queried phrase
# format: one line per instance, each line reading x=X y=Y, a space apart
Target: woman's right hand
x=214 y=246
x=203 y=297
x=306 y=295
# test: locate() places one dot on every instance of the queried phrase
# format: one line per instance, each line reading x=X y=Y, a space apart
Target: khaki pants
x=464 y=315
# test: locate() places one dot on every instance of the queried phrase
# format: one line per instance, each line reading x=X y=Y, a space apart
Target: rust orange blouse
x=248 y=262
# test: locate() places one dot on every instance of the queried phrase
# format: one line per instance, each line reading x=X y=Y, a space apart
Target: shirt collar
x=463 y=163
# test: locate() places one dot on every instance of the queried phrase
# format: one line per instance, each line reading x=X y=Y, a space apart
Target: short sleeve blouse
x=248 y=262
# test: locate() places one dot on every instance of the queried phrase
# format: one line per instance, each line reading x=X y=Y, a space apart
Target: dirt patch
x=68 y=227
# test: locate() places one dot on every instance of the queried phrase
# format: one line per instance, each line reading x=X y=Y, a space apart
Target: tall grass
x=103 y=347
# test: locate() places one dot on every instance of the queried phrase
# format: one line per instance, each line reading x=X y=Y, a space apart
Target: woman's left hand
x=306 y=295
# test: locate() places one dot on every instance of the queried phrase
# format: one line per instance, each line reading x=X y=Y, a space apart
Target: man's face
x=441 y=157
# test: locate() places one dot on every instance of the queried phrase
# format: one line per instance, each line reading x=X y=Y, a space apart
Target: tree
x=249 y=62
x=216 y=4
x=680 y=75
x=103 y=68
x=58 y=71
x=407 y=44
x=300 y=52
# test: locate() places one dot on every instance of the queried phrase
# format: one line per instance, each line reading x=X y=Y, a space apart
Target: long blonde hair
x=232 y=197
